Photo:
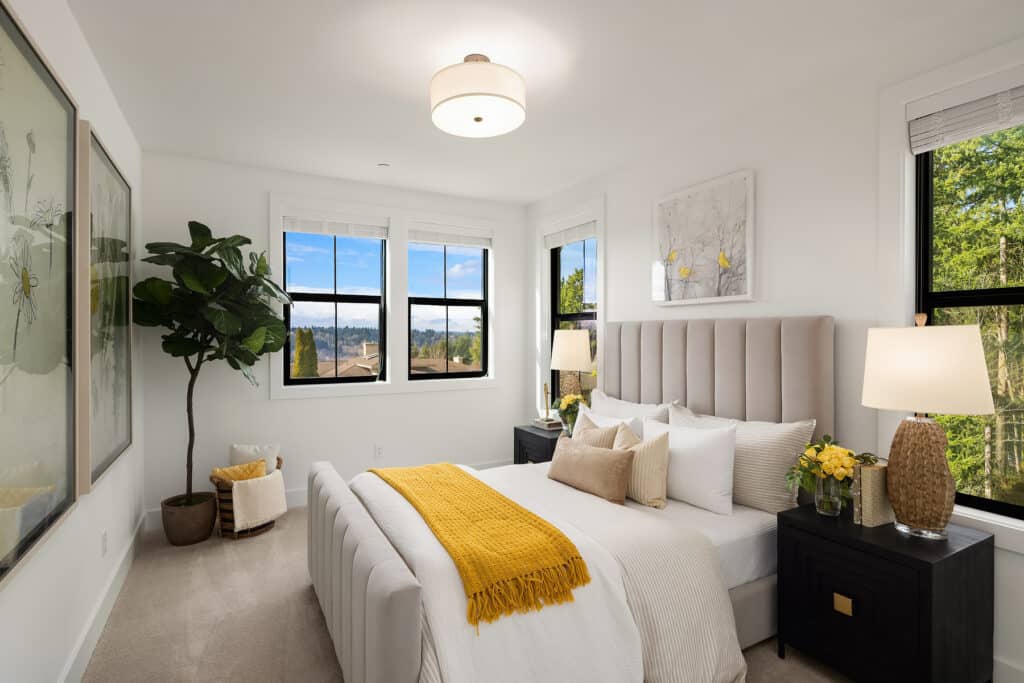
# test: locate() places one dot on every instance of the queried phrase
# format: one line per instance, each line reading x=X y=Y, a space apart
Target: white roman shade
x=443 y=234
x=969 y=120
x=373 y=228
x=570 y=235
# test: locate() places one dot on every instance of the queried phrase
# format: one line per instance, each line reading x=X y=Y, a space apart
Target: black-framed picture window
x=447 y=311
x=337 y=322
x=574 y=307
x=970 y=270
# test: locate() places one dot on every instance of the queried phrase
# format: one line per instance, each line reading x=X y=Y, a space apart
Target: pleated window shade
x=361 y=229
x=452 y=237
x=965 y=121
x=570 y=235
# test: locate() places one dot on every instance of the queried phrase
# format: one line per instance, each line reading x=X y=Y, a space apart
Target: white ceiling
x=333 y=87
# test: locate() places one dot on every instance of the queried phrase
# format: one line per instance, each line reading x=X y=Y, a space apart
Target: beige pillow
x=588 y=433
x=648 y=480
x=765 y=451
x=602 y=472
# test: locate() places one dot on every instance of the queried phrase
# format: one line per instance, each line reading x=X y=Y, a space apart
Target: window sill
x=1008 y=532
x=302 y=391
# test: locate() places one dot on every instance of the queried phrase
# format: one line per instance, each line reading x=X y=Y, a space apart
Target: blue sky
x=582 y=254
x=310 y=268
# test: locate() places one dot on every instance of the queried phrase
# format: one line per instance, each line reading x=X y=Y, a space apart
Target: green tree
x=978 y=242
x=306 y=360
x=570 y=293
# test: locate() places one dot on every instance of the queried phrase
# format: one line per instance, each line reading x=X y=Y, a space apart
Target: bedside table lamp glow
x=939 y=369
x=570 y=351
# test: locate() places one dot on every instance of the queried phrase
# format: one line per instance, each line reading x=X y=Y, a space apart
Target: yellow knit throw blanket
x=510 y=560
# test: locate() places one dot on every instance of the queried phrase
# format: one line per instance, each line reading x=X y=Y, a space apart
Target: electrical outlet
x=378 y=453
x=103 y=543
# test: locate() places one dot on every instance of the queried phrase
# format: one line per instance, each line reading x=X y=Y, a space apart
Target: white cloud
x=465 y=269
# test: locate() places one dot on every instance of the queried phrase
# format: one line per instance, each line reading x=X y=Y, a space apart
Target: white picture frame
x=703 y=243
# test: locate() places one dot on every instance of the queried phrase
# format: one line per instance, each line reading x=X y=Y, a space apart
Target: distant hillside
x=428 y=343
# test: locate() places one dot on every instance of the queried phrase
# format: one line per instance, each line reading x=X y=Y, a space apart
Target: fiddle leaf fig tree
x=215 y=307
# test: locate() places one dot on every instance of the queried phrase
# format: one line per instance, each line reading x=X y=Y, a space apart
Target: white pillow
x=242 y=453
x=634 y=425
x=603 y=404
x=765 y=451
x=700 y=464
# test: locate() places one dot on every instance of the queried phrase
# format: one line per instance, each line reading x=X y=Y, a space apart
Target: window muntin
x=574 y=306
x=971 y=271
x=447 y=311
x=336 y=323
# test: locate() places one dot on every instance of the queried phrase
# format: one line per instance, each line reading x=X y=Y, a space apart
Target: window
x=574 y=306
x=970 y=270
x=447 y=311
x=336 y=322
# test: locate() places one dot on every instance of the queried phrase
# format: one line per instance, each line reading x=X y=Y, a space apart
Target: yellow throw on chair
x=510 y=560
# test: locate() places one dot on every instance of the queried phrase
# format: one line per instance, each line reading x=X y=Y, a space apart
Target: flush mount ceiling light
x=477 y=99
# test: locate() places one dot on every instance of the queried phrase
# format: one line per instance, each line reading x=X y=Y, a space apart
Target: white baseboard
x=74 y=670
x=1005 y=671
x=296 y=498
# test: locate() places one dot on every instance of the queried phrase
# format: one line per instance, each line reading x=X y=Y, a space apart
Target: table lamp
x=937 y=369
x=570 y=351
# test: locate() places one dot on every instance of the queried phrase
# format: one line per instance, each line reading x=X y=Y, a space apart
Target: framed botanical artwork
x=110 y=354
x=704 y=243
x=38 y=400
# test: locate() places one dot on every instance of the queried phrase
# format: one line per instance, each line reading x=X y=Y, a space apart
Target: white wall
x=469 y=426
x=815 y=218
x=56 y=599
x=821 y=247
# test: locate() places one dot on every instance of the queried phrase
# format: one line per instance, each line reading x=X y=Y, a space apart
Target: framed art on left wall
x=38 y=390
x=109 y=210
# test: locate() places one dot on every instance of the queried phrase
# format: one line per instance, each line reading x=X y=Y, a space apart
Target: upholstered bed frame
x=772 y=369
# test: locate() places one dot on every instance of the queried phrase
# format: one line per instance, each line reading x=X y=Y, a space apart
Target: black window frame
x=448 y=302
x=927 y=300
x=299 y=297
x=557 y=317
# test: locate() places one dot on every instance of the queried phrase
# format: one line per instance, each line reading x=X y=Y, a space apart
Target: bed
x=376 y=609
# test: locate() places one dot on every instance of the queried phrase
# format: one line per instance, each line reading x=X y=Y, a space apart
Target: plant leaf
x=153 y=290
x=201 y=235
x=255 y=341
x=179 y=346
x=223 y=321
x=163 y=259
x=200 y=276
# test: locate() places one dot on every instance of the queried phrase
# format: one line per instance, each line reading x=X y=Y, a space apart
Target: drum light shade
x=936 y=369
x=477 y=99
x=570 y=350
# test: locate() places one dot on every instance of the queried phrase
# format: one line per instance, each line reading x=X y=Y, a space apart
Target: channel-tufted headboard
x=770 y=369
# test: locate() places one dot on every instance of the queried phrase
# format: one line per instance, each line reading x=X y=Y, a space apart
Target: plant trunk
x=193 y=374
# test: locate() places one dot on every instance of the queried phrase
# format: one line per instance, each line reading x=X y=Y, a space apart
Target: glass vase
x=828 y=498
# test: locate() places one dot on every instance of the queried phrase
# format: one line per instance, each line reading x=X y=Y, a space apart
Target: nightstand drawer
x=535 y=450
x=837 y=597
x=534 y=445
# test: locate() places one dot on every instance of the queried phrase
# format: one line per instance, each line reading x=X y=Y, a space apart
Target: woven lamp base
x=921 y=487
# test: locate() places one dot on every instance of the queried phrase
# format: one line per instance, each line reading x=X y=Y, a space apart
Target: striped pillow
x=648 y=482
x=588 y=433
x=765 y=451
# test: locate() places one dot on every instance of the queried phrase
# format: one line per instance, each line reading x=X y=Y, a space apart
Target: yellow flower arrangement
x=569 y=409
x=825 y=459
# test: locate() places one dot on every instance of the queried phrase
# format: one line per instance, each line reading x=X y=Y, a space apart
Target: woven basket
x=226 y=507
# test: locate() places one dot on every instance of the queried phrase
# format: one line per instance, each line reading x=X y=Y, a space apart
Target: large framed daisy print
x=38 y=122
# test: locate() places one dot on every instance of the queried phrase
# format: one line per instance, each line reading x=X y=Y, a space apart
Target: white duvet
x=656 y=609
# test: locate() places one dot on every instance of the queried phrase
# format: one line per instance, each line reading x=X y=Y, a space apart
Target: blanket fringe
x=548 y=586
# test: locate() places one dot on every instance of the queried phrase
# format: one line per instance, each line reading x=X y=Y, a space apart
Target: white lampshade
x=477 y=99
x=571 y=350
x=937 y=369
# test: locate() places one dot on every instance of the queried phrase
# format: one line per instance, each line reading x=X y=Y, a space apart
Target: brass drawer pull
x=842 y=604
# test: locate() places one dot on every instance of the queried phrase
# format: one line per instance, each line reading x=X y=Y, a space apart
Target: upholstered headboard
x=771 y=369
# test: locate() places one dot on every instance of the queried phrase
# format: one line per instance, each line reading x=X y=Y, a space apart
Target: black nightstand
x=533 y=444
x=880 y=606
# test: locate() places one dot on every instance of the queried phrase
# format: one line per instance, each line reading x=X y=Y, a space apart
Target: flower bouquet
x=826 y=469
x=569 y=410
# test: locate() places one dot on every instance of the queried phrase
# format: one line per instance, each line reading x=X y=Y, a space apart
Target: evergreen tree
x=305 y=363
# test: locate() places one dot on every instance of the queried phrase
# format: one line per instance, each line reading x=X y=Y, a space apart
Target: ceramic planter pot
x=188 y=524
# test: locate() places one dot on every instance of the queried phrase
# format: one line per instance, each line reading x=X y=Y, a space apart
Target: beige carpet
x=245 y=611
